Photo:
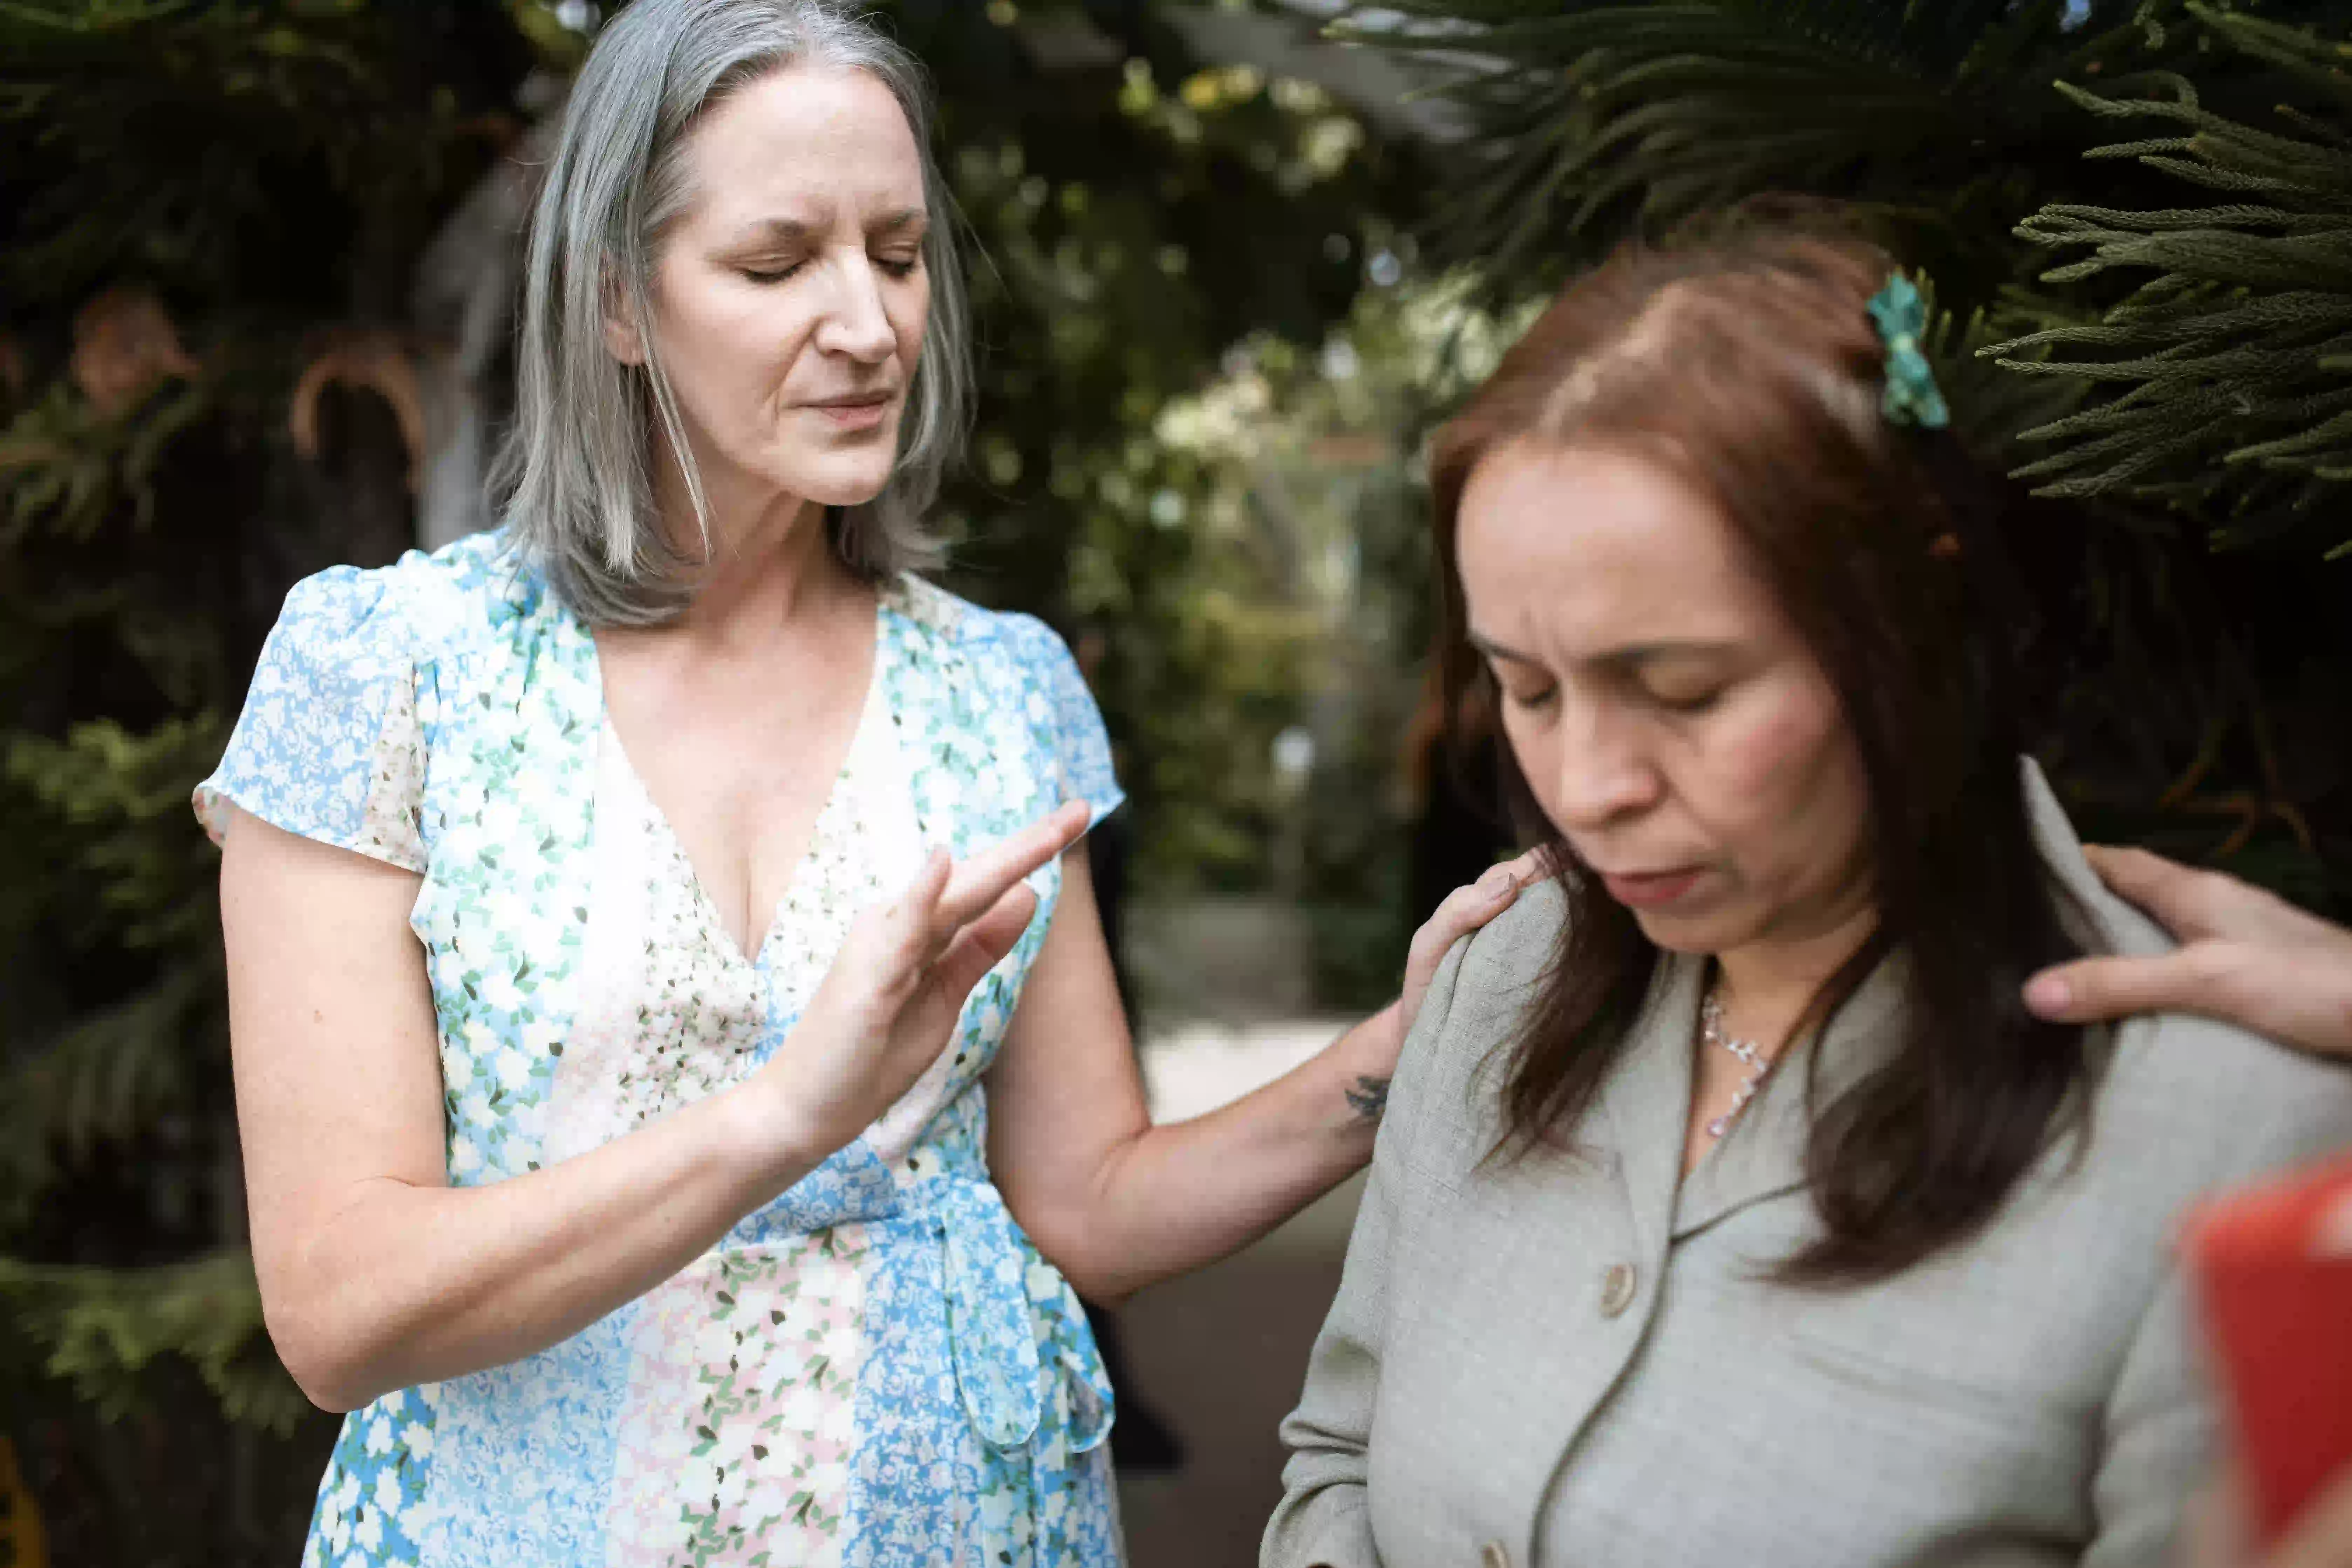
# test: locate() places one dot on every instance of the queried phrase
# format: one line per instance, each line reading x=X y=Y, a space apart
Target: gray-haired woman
x=626 y=908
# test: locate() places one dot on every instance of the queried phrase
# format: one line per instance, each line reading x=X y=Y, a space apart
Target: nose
x=856 y=323
x=1602 y=773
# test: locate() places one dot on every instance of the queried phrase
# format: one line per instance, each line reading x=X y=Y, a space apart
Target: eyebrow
x=1633 y=656
x=1494 y=650
x=797 y=230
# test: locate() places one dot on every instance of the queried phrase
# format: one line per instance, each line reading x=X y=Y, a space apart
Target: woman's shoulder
x=329 y=743
x=1487 y=983
x=2202 y=1102
x=1011 y=635
x=1012 y=673
x=1516 y=947
x=2200 y=1094
x=2212 y=1100
x=1014 y=656
x=399 y=613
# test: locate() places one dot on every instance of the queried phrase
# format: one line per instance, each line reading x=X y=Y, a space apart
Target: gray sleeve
x=2162 y=1435
x=1323 y=1519
x=2161 y=1438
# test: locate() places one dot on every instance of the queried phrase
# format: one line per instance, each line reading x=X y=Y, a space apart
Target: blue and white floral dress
x=877 y=1368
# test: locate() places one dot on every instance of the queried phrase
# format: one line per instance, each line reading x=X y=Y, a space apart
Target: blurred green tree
x=1136 y=211
x=1294 y=472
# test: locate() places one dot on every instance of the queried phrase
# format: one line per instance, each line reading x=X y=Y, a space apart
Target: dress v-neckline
x=724 y=939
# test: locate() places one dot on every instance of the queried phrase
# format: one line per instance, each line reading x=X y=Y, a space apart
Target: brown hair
x=1749 y=368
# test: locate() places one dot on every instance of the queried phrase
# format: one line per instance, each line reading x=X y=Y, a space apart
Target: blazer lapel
x=1647 y=1098
x=2098 y=917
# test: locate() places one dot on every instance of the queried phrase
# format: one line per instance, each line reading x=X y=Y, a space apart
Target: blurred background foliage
x=1226 y=278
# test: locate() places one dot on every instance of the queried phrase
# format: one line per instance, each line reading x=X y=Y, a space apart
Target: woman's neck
x=1770 y=982
x=767 y=563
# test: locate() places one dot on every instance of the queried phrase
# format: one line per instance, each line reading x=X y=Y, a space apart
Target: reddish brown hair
x=1750 y=369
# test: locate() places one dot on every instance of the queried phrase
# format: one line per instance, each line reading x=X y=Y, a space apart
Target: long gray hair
x=576 y=469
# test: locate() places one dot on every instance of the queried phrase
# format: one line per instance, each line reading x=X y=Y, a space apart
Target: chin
x=1700 y=932
x=839 y=484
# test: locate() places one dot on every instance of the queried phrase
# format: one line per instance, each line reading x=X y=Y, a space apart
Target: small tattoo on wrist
x=1368 y=1097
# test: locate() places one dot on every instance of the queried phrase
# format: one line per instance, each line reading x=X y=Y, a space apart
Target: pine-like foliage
x=196 y=202
x=1966 y=132
x=1595 y=120
x=2165 y=371
x=2228 y=369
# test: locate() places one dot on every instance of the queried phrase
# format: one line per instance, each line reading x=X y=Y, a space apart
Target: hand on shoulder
x=2246 y=957
x=1466 y=911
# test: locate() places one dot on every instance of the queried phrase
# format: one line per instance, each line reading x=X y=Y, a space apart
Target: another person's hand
x=1465 y=909
x=2246 y=957
x=889 y=1005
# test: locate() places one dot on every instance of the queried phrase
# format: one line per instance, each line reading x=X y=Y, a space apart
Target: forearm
x=1117 y=1203
x=1176 y=1197
x=401 y=1284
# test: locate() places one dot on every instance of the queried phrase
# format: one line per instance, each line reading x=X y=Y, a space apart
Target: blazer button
x=1494 y=1554
x=1617 y=1284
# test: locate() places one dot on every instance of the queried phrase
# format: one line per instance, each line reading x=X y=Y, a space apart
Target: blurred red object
x=2274 y=1271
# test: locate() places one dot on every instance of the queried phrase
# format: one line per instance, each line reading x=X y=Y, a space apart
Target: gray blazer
x=1559 y=1364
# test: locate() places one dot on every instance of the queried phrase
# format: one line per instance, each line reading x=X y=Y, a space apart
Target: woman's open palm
x=889 y=1004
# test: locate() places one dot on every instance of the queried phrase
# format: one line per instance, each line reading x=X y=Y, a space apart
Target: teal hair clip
x=1911 y=395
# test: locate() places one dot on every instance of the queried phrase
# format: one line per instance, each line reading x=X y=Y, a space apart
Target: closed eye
x=1697 y=703
x=899 y=268
x=1531 y=701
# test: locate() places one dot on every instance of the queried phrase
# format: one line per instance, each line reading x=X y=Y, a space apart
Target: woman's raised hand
x=889 y=1005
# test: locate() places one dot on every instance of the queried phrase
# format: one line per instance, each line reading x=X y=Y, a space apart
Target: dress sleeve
x=328 y=745
x=1063 y=711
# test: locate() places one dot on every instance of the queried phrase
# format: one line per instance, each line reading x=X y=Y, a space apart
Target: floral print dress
x=877 y=1368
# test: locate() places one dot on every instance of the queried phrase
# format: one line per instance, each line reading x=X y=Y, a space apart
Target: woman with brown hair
x=1731 y=1206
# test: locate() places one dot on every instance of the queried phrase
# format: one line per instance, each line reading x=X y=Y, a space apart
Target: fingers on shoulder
x=1474 y=905
x=2193 y=902
x=2187 y=979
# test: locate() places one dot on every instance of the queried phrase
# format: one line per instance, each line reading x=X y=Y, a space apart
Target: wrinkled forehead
x=815 y=145
x=1578 y=549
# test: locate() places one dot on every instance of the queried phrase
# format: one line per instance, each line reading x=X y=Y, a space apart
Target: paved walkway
x=1220 y=1352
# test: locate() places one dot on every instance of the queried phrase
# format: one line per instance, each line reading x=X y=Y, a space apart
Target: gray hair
x=575 y=469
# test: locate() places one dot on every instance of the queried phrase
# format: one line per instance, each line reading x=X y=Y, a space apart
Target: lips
x=1651 y=889
x=857 y=411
